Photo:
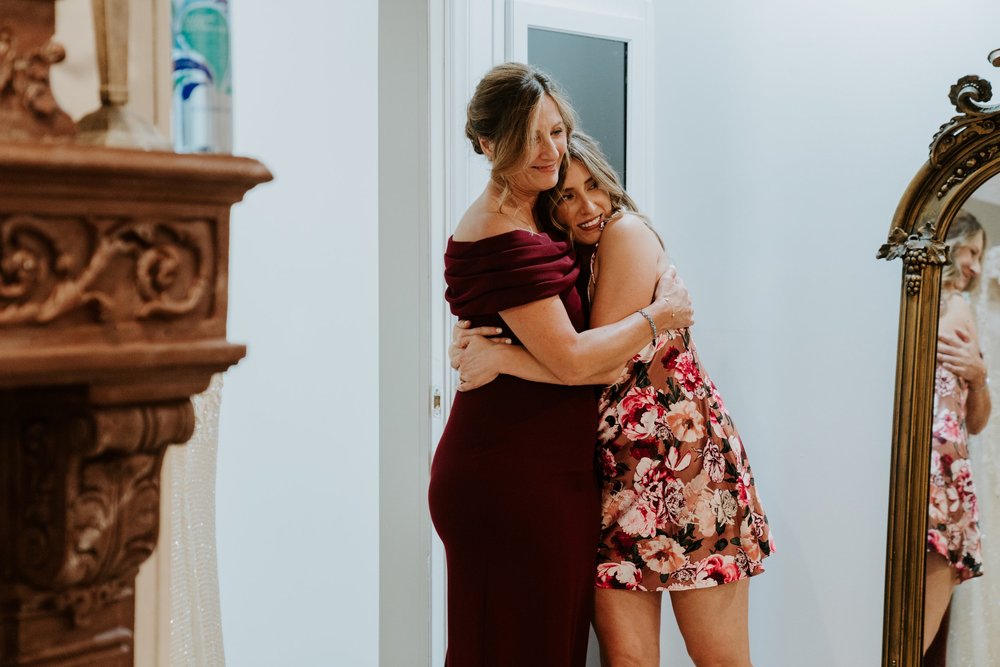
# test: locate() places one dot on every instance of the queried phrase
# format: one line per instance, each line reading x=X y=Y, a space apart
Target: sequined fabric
x=195 y=638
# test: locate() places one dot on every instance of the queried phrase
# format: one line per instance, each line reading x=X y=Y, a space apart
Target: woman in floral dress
x=680 y=511
x=961 y=406
x=975 y=610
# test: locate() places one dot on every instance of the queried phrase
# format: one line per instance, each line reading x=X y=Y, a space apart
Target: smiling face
x=583 y=204
x=546 y=148
x=520 y=121
x=968 y=259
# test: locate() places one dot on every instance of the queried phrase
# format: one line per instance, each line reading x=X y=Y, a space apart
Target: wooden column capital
x=80 y=514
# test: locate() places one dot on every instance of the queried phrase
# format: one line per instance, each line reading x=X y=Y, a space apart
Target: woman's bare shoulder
x=628 y=227
x=624 y=221
x=479 y=223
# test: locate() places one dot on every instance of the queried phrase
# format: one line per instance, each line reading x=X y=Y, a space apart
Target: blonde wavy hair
x=587 y=151
x=502 y=111
x=962 y=232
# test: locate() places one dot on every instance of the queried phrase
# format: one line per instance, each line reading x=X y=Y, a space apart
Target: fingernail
x=508 y=341
x=499 y=330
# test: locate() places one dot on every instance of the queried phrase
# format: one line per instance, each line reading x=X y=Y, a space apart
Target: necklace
x=514 y=208
x=527 y=225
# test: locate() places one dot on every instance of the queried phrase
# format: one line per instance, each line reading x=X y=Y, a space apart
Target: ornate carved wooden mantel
x=113 y=287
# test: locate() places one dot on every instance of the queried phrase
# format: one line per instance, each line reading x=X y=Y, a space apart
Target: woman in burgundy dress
x=680 y=510
x=513 y=493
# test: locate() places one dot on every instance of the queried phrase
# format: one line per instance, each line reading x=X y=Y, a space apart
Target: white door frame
x=628 y=21
x=405 y=201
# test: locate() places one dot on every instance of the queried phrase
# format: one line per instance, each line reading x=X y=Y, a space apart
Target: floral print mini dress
x=953 y=515
x=680 y=509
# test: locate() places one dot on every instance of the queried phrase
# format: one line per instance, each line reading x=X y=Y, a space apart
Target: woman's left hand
x=479 y=363
x=462 y=334
x=960 y=355
x=671 y=291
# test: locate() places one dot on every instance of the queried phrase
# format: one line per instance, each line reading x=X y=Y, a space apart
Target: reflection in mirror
x=943 y=398
x=962 y=405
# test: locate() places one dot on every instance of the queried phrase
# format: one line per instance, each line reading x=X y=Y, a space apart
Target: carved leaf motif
x=917 y=250
x=969 y=166
x=88 y=509
x=894 y=247
x=938 y=254
x=26 y=76
x=49 y=268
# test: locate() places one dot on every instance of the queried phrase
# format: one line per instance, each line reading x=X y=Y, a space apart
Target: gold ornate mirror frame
x=964 y=154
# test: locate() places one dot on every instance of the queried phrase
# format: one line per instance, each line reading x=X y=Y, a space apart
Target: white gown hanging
x=195 y=619
x=974 y=630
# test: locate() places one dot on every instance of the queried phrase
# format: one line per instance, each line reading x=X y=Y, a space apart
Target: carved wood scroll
x=51 y=267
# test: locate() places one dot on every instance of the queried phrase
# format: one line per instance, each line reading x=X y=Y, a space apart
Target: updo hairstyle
x=506 y=102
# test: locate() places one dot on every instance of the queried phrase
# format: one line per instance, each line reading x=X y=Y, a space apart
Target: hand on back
x=670 y=288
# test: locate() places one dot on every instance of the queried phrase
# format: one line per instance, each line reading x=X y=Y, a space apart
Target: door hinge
x=436 y=401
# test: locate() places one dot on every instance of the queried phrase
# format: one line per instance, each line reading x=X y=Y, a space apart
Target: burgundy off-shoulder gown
x=513 y=492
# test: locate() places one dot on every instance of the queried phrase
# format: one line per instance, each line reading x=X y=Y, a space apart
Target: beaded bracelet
x=652 y=324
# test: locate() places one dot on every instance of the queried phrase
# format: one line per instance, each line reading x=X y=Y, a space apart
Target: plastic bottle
x=202 y=97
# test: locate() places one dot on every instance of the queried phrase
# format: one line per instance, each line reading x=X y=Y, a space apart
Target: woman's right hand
x=480 y=363
x=462 y=335
x=671 y=302
x=961 y=355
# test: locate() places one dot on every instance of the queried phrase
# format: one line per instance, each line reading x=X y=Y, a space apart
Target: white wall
x=787 y=133
x=298 y=458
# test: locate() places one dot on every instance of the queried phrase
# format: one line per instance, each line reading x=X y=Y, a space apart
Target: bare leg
x=627 y=624
x=939 y=581
x=714 y=623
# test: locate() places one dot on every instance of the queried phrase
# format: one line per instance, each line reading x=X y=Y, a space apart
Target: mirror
x=939 y=551
x=976 y=608
x=958 y=512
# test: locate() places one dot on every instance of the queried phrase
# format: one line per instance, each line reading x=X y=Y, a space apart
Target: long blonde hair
x=962 y=232
x=587 y=151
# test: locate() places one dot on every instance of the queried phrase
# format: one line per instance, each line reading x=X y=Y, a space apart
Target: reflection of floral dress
x=953 y=517
x=680 y=509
